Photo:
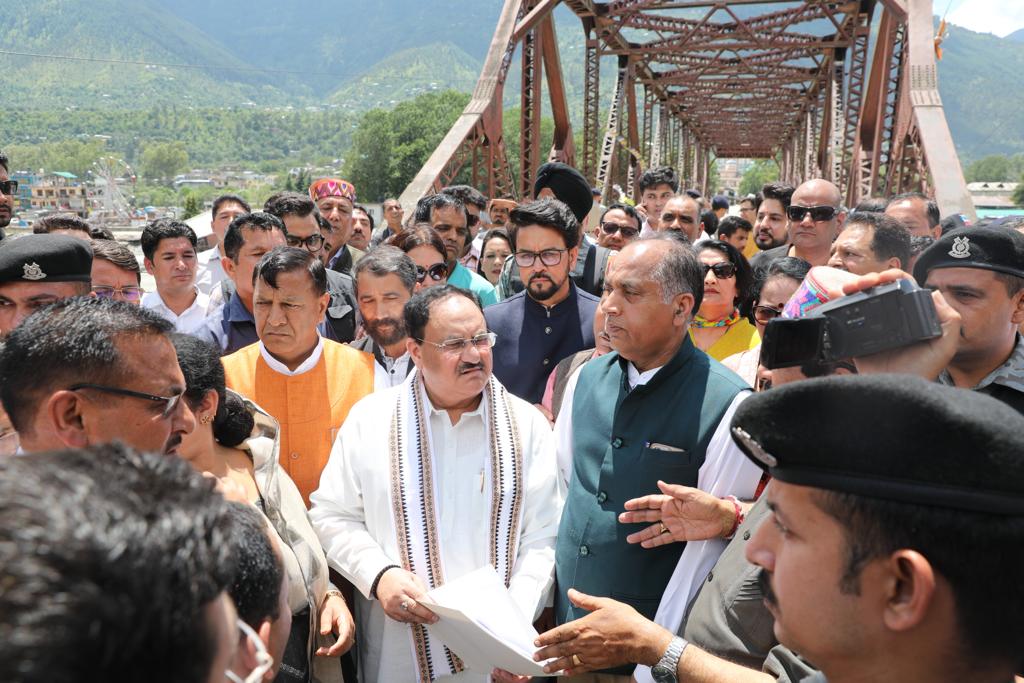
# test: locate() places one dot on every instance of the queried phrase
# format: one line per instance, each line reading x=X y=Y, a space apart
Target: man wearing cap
x=335 y=199
x=559 y=181
x=36 y=270
x=980 y=273
x=720 y=205
x=891 y=568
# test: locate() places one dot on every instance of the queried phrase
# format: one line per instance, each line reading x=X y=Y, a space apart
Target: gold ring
x=576 y=661
x=664 y=529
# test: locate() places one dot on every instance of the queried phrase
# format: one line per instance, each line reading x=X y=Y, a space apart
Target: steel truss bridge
x=846 y=91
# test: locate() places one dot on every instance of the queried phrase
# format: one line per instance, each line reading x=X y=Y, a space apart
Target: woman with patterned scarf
x=718 y=329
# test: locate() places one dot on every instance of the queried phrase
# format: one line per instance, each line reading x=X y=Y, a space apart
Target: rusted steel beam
x=530 y=110
x=562 y=145
x=605 y=165
x=591 y=106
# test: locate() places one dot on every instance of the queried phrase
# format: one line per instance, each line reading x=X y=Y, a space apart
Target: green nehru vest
x=621 y=448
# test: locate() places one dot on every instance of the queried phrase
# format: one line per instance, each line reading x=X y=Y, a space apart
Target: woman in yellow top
x=718 y=329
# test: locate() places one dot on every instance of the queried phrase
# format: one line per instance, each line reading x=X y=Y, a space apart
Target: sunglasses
x=170 y=402
x=818 y=213
x=627 y=231
x=437 y=272
x=765 y=314
x=129 y=293
x=722 y=271
x=8 y=187
x=311 y=243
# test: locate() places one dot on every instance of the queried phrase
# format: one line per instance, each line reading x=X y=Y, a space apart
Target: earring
x=205 y=419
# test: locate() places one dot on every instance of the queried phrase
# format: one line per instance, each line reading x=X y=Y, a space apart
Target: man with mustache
x=385 y=280
x=551 y=319
x=434 y=479
x=308 y=383
x=86 y=371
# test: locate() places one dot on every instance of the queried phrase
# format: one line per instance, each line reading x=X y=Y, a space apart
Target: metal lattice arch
x=846 y=91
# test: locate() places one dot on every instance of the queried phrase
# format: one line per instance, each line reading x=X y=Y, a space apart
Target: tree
x=993 y=168
x=761 y=172
x=1018 y=194
x=162 y=160
x=192 y=206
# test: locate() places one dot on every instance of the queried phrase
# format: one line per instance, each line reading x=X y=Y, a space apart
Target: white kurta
x=351 y=512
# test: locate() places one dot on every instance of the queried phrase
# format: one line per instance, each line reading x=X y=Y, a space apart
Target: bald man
x=816 y=218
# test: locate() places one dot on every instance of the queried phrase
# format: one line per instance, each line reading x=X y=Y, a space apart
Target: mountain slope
x=130 y=30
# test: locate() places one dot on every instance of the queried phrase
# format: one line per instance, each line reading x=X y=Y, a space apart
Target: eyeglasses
x=766 y=314
x=311 y=243
x=456 y=347
x=437 y=272
x=627 y=231
x=549 y=257
x=130 y=293
x=170 y=402
x=818 y=213
x=722 y=271
x=8 y=187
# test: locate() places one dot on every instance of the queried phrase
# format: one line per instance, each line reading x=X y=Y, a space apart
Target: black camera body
x=886 y=317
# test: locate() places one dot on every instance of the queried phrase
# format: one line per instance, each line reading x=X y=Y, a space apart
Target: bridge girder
x=717 y=79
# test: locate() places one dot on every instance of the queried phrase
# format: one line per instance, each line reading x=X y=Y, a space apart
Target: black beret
x=894 y=437
x=45 y=258
x=569 y=186
x=988 y=248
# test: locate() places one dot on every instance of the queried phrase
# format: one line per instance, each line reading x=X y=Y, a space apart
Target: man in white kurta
x=473 y=429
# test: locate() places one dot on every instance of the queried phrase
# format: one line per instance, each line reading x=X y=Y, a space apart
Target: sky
x=1000 y=17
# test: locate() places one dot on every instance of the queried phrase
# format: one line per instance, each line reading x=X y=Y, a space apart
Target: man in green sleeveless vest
x=656 y=409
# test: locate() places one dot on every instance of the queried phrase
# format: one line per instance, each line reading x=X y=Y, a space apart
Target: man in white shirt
x=385 y=279
x=462 y=475
x=170 y=250
x=211 y=273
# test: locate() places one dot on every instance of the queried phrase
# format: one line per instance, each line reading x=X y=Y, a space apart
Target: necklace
x=702 y=323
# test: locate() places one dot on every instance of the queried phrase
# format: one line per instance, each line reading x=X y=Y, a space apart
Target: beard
x=386 y=331
x=542 y=287
x=5 y=216
x=766 y=241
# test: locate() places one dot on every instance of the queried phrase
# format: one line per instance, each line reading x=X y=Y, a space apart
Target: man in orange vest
x=305 y=381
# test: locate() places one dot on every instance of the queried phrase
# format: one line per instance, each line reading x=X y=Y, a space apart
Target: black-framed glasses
x=818 y=213
x=456 y=347
x=722 y=271
x=627 y=231
x=549 y=257
x=8 y=187
x=170 y=402
x=766 y=314
x=311 y=243
x=437 y=272
x=129 y=293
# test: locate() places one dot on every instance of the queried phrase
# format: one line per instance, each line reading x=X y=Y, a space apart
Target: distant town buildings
x=992 y=195
x=59 y=191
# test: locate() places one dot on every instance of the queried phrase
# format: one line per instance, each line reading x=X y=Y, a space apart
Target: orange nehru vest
x=310 y=407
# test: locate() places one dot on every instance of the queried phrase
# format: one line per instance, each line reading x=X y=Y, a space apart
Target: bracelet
x=738 y=519
x=373 y=586
x=334 y=592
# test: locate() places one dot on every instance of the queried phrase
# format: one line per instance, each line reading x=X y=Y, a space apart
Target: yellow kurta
x=742 y=336
x=310 y=407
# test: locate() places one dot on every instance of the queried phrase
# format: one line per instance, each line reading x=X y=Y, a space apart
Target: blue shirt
x=464 y=278
x=533 y=338
x=232 y=327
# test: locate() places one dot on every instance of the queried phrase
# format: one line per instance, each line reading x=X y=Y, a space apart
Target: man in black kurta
x=551 y=319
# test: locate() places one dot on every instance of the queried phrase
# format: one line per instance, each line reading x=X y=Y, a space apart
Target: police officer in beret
x=36 y=270
x=885 y=558
x=978 y=277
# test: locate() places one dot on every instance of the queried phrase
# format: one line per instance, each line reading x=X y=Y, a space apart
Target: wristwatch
x=665 y=670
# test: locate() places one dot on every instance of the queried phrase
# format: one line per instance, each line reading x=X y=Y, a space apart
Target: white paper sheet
x=480 y=623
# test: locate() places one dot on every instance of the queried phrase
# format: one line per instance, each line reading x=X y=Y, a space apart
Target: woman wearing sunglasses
x=772 y=289
x=495 y=248
x=718 y=329
x=236 y=441
x=425 y=248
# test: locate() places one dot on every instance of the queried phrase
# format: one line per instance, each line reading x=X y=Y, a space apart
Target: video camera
x=886 y=317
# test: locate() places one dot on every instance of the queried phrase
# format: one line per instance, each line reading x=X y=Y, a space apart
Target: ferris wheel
x=114 y=207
